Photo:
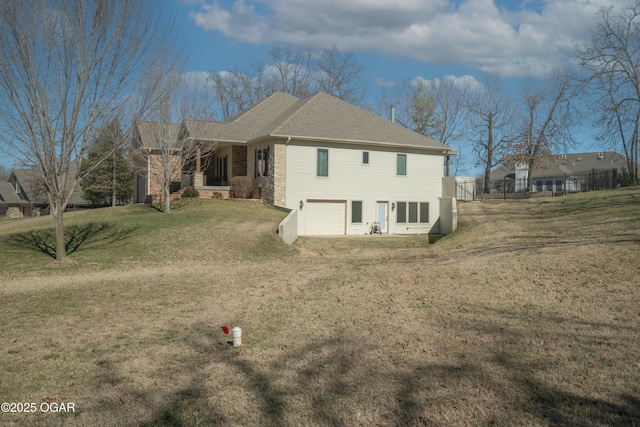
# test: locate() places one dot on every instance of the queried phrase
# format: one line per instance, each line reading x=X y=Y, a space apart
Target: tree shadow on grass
x=77 y=237
x=333 y=381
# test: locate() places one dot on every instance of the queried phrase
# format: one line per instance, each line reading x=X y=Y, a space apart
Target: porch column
x=198 y=160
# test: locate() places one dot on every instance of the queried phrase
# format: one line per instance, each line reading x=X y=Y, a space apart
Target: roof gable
x=8 y=194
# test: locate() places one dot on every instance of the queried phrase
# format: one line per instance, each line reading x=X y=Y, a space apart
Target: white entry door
x=382 y=215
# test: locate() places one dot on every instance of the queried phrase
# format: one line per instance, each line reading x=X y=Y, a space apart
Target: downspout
x=285 y=170
x=148 y=174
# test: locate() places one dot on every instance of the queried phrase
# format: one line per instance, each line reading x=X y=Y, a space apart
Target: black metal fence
x=548 y=186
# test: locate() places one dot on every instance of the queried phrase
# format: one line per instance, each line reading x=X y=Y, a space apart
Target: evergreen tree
x=110 y=180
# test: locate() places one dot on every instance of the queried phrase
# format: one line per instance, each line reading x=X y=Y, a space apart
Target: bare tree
x=339 y=75
x=491 y=125
x=168 y=148
x=4 y=172
x=238 y=90
x=547 y=119
x=415 y=108
x=67 y=66
x=290 y=71
x=451 y=97
x=611 y=62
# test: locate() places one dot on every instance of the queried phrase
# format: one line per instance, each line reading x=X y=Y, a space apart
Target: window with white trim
x=261 y=162
x=322 y=166
x=412 y=212
x=356 y=212
x=401 y=164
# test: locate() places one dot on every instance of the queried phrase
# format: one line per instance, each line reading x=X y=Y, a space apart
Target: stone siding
x=279 y=174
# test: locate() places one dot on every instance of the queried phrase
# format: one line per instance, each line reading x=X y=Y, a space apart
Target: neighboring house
x=11 y=206
x=339 y=167
x=563 y=172
x=24 y=192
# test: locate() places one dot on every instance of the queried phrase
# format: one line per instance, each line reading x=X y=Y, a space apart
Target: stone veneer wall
x=279 y=174
x=263 y=186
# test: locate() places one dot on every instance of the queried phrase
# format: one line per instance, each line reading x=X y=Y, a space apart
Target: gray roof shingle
x=317 y=117
x=568 y=164
x=151 y=134
x=8 y=195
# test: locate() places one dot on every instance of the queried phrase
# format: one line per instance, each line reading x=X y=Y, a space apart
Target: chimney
x=393 y=113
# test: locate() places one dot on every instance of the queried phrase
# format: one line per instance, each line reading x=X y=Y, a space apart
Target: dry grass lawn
x=529 y=315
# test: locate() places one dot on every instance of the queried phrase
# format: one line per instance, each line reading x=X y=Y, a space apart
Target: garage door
x=326 y=217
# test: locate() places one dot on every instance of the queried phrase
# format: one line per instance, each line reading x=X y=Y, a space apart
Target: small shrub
x=216 y=195
x=190 y=193
x=242 y=186
x=625 y=178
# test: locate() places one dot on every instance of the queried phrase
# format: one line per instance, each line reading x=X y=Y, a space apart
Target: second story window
x=401 y=164
x=322 y=162
x=365 y=157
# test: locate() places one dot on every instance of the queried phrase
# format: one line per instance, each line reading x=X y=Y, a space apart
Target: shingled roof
x=151 y=134
x=33 y=186
x=568 y=164
x=8 y=195
x=319 y=117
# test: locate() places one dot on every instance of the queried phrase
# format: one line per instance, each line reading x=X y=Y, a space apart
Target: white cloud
x=530 y=39
x=196 y=79
x=467 y=82
x=382 y=82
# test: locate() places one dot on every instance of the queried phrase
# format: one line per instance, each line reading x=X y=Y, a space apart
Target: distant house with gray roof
x=563 y=172
x=23 y=195
x=338 y=167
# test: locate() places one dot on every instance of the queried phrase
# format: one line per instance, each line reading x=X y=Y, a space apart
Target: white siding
x=351 y=180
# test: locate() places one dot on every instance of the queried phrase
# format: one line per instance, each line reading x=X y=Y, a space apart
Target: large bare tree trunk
x=61 y=249
x=66 y=67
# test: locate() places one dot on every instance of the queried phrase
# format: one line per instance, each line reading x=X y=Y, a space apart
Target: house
x=11 y=206
x=338 y=167
x=147 y=159
x=562 y=173
x=23 y=195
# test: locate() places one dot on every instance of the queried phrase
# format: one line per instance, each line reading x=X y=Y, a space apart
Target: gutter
x=443 y=149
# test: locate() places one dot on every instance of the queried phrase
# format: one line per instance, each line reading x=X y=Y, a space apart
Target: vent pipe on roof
x=393 y=113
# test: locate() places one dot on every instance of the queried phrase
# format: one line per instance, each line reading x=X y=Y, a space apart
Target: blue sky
x=396 y=41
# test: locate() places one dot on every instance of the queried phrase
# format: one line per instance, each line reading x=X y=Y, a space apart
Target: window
x=262 y=162
x=323 y=162
x=402 y=164
x=365 y=157
x=356 y=212
x=402 y=212
x=424 y=213
x=412 y=212
x=221 y=168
